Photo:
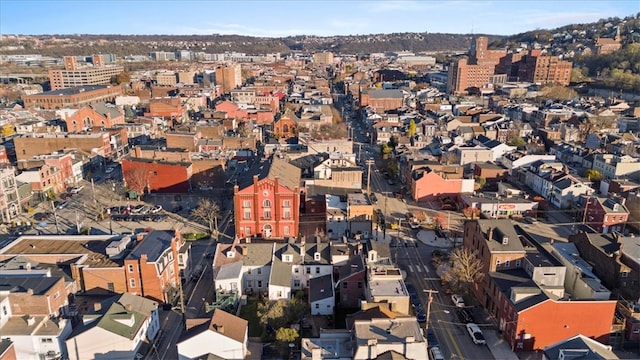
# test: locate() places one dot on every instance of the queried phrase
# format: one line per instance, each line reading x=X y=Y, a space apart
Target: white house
x=34 y=336
x=321 y=295
x=516 y=160
x=225 y=337
x=377 y=336
x=229 y=277
x=116 y=329
x=280 y=279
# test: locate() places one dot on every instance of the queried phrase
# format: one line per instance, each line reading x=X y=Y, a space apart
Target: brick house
x=613 y=260
x=428 y=183
x=72 y=97
x=350 y=282
x=490 y=171
x=45 y=179
x=152 y=269
x=605 y=215
x=96 y=115
x=167 y=107
x=156 y=175
x=27 y=146
x=269 y=206
x=232 y=110
x=33 y=295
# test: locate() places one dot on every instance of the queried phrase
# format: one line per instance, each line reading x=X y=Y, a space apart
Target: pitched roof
x=579 y=347
x=320 y=288
x=229 y=271
x=280 y=274
x=233 y=327
x=104 y=109
x=288 y=174
x=21 y=284
x=153 y=245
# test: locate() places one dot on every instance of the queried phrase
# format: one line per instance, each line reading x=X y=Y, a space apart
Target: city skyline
x=320 y=18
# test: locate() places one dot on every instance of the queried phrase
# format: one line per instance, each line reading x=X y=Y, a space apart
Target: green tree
x=517 y=142
x=480 y=181
x=287 y=335
x=393 y=141
x=411 y=129
x=272 y=312
x=385 y=149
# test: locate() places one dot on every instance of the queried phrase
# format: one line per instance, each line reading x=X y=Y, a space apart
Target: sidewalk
x=498 y=347
x=428 y=237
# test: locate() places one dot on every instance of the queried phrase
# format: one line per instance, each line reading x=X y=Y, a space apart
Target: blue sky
x=284 y=18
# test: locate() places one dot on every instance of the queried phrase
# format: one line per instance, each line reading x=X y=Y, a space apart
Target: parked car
x=137 y=209
x=432 y=340
x=109 y=170
x=76 y=189
x=60 y=204
x=159 y=217
x=465 y=316
x=177 y=209
x=458 y=301
x=42 y=216
x=156 y=209
x=421 y=317
x=374 y=198
x=476 y=334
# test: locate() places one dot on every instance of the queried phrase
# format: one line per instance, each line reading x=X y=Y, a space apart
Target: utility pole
x=369 y=163
x=55 y=217
x=586 y=207
x=429 y=301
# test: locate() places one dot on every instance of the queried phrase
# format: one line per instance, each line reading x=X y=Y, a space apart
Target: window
x=266 y=204
x=111 y=287
x=247 y=231
x=279 y=293
x=132 y=283
x=518 y=263
x=249 y=271
x=308 y=270
x=624 y=274
x=56 y=295
x=46 y=340
x=4 y=310
x=246 y=214
x=259 y=271
x=286 y=230
x=296 y=270
x=360 y=284
x=130 y=267
x=345 y=285
x=249 y=283
x=497 y=263
x=246 y=203
x=317 y=269
x=267 y=214
x=286 y=203
x=296 y=283
x=317 y=306
x=286 y=214
x=507 y=263
x=259 y=283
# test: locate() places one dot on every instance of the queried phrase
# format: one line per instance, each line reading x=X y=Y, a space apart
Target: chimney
x=128 y=307
x=30 y=320
x=302 y=250
x=316 y=353
x=220 y=329
x=97 y=306
x=490 y=234
x=30 y=292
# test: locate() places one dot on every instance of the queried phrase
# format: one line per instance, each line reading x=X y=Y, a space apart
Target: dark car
x=465 y=316
x=177 y=209
x=42 y=216
x=432 y=340
x=374 y=198
x=421 y=317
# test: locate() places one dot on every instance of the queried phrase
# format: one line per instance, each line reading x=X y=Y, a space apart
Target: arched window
x=266 y=204
x=75 y=126
x=285 y=128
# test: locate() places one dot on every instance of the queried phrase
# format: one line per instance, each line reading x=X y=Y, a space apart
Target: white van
x=435 y=354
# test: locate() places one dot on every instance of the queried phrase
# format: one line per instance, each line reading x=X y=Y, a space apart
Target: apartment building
x=72 y=75
x=229 y=77
x=9 y=196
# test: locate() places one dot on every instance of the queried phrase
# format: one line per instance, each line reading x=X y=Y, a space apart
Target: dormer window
x=287 y=258
x=316 y=256
x=231 y=254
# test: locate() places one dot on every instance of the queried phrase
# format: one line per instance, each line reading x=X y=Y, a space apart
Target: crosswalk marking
x=418 y=268
x=410 y=268
x=426 y=268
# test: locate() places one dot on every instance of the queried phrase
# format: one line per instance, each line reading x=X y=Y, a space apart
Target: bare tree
x=207 y=211
x=449 y=158
x=466 y=269
x=137 y=178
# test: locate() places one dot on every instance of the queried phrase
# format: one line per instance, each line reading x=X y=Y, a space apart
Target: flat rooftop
x=388 y=287
x=61 y=248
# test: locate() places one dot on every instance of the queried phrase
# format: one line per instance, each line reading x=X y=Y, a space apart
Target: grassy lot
x=248 y=312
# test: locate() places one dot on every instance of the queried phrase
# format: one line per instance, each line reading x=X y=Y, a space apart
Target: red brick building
x=151 y=175
x=30 y=145
x=37 y=295
x=96 y=115
x=152 y=268
x=232 y=110
x=287 y=125
x=167 y=107
x=605 y=215
x=428 y=183
x=382 y=100
x=269 y=207
x=72 y=97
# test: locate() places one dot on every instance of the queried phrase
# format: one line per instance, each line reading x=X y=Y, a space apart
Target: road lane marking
x=410 y=268
x=426 y=269
x=418 y=268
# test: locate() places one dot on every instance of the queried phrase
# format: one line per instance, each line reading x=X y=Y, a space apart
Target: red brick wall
x=98 y=279
x=162 y=176
x=551 y=322
x=24 y=303
x=9 y=354
x=432 y=185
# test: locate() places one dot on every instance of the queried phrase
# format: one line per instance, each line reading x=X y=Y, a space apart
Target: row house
x=152 y=268
x=269 y=205
x=469 y=154
x=381 y=100
x=615 y=166
x=97 y=144
x=516 y=160
x=70 y=171
x=123 y=323
x=605 y=215
x=552 y=181
x=46 y=180
x=498 y=148
x=9 y=196
x=32 y=309
x=97 y=263
x=224 y=336
x=524 y=289
x=171 y=108
x=384 y=130
x=613 y=260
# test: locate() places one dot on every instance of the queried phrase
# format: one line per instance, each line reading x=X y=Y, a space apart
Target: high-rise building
x=544 y=69
x=229 y=77
x=324 y=58
x=97 y=60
